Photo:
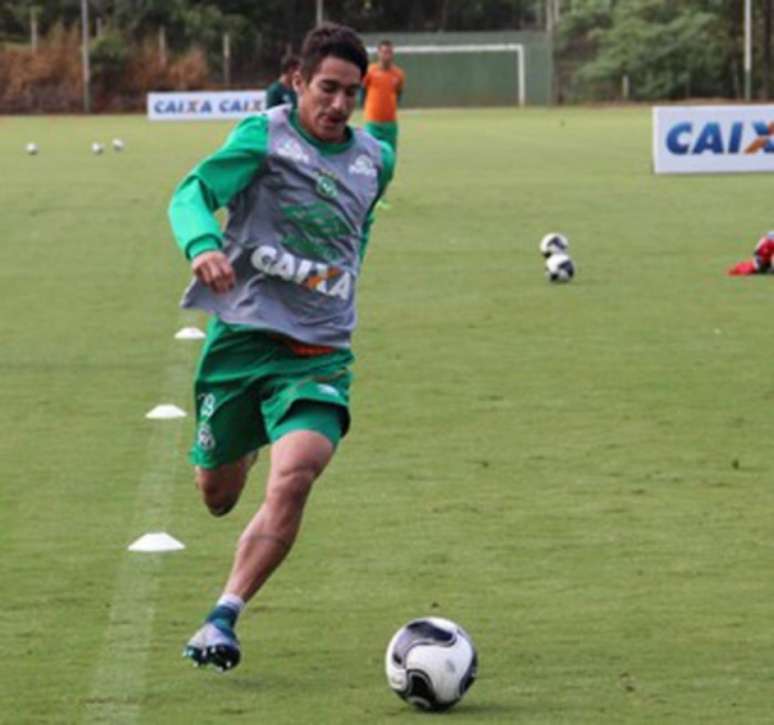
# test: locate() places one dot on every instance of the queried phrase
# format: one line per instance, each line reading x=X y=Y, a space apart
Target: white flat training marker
x=189 y=333
x=166 y=412
x=158 y=541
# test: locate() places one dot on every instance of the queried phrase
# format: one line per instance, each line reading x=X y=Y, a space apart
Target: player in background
x=761 y=263
x=382 y=88
x=281 y=91
x=280 y=283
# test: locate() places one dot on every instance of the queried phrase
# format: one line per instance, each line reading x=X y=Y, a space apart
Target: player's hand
x=214 y=270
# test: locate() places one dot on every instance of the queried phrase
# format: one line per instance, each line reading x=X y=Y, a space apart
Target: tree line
x=640 y=50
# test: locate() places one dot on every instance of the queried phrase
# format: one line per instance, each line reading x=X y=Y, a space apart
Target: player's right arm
x=211 y=185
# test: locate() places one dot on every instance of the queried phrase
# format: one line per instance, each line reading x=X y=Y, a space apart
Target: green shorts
x=251 y=389
x=387 y=131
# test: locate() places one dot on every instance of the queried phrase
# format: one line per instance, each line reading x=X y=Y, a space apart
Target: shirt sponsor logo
x=363 y=166
x=323 y=278
x=291 y=149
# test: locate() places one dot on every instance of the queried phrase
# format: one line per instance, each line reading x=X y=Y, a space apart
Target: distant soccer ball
x=118 y=144
x=97 y=148
x=554 y=243
x=431 y=663
x=31 y=148
x=559 y=268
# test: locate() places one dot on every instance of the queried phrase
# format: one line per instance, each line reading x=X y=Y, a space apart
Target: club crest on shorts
x=204 y=438
x=207 y=406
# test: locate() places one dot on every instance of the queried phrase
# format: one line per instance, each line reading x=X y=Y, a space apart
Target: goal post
x=516 y=50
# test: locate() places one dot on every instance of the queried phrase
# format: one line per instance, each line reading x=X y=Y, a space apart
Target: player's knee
x=219 y=493
x=294 y=481
x=218 y=509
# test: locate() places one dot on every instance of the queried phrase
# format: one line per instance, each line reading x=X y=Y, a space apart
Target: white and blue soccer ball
x=31 y=148
x=431 y=662
x=554 y=243
x=97 y=148
x=118 y=145
x=559 y=268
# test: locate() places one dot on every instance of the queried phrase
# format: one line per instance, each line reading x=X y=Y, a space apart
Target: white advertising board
x=204 y=105
x=713 y=139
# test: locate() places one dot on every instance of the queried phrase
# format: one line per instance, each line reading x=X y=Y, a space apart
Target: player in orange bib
x=382 y=87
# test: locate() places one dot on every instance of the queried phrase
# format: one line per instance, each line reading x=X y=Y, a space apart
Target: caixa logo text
x=715 y=138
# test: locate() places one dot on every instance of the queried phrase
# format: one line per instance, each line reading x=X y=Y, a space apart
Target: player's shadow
x=467 y=711
x=472 y=712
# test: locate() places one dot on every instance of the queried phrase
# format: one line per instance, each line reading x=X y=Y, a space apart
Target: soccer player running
x=300 y=187
x=382 y=87
x=281 y=91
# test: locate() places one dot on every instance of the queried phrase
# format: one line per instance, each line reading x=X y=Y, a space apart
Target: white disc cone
x=158 y=541
x=189 y=333
x=165 y=412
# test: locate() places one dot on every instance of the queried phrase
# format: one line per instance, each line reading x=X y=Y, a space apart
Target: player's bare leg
x=297 y=459
x=221 y=487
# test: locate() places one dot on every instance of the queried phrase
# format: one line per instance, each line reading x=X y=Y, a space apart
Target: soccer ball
x=31 y=148
x=559 y=268
x=97 y=148
x=554 y=243
x=118 y=144
x=431 y=663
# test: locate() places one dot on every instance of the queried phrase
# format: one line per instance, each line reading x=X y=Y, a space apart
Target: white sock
x=232 y=601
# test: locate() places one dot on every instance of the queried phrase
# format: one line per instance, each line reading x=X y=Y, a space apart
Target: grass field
x=579 y=474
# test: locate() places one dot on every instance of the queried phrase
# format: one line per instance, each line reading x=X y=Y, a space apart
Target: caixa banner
x=204 y=105
x=713 y=139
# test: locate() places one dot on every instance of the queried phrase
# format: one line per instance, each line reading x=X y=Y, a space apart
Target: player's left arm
x=385 y=177
x=401 y=81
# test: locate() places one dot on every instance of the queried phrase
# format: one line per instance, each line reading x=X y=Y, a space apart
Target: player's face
x=327 y=99
x=385 y=54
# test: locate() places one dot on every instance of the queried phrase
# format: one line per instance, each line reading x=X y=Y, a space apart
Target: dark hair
x=289 y=63
x=334 y=40
x=382 y=43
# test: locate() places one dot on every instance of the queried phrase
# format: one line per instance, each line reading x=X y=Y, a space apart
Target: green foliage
x=108 y=54
x=667 y=50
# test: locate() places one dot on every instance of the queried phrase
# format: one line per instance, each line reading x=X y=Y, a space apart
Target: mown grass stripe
x=119 y=674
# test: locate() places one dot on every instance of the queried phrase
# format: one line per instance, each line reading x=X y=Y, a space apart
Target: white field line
x=119 y=673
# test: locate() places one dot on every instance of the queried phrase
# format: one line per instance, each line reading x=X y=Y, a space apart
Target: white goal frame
x=517 y=48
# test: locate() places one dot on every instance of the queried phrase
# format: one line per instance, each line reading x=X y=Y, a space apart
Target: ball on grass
x=554 y=243
x=559 y=268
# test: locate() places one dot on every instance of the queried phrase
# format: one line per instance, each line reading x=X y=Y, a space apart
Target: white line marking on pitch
x=119 y=685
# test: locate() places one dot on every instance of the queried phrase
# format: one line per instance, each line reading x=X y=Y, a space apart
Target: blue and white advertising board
x=204 y=105
x=713 y=139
